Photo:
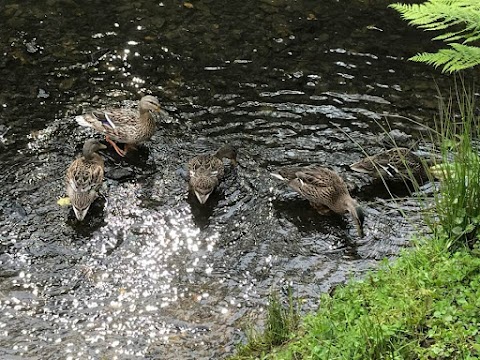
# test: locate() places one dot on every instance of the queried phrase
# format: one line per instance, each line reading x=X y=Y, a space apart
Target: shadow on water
x=92 y=222
x=201 y=213
x=151 y=273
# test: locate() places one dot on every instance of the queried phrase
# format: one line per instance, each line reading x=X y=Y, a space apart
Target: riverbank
x=425 y=305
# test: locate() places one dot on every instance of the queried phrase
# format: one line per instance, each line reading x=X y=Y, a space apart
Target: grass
x=457 y=202
x=281 y=322
x=425 y=305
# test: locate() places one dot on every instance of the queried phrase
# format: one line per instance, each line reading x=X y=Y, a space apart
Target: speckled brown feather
x=206 y=170
x=127 y=126
x=130 y=128
x=324 y=189
x=205 y=173
x=394 y=164
x=83 y=178
x=319 y=186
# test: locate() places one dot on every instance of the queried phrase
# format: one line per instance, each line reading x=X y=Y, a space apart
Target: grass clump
x=457 y=202
x=282 y=321
x=410 y=310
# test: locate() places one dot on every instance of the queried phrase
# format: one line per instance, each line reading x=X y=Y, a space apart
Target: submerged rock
x=120 y=173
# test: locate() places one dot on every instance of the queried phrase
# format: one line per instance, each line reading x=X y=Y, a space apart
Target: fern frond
x=460 y=17
x=437 y=15
x=450 y=36
x=473 y=38
x=458 y=57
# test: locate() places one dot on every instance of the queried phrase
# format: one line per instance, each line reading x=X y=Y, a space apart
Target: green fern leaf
x=460 y=17
x=450 y=36
x=473 y=38
x=458 y=57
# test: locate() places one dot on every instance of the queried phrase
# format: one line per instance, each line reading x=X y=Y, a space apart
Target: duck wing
x=120 y=124
x=318 y=185
x=206 y=165
x=84 y=176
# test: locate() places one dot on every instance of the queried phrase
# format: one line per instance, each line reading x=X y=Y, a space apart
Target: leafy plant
x=459 y=20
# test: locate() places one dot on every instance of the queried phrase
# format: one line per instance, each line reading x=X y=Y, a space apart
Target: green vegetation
x=459 y=20
x=457 y=210
x=281 y=322
x=424 y=306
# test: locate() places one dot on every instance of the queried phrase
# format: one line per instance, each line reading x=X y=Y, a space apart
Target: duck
x=396 y=138
x=395 y=164
x=124 y=125
x=84 y=177
x=326 y=191
x=206 y=171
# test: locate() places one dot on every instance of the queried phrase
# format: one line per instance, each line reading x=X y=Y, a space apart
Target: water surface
x=151 y=274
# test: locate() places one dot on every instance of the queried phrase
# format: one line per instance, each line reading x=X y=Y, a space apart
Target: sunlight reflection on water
x=126 y=295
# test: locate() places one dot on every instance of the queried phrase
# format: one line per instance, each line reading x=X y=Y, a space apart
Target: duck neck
x=219 y=154
x=358 y=216
x=88 y=154
x=145 y=114
x=351 y=206
x=343 y=204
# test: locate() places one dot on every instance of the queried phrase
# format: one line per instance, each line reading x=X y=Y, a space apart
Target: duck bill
x=359 y=229
x=202 y=198
x=80 y=213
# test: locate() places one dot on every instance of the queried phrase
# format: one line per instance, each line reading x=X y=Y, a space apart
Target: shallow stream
x=151 y=274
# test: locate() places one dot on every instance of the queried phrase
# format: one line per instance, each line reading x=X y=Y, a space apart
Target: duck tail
x=360 y=166
x=287 y=173
x=278 y=176
x=82 y=121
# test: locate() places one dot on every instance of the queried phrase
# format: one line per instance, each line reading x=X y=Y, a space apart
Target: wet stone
x=42 y=94
x=8 y=273
x=31 y=47
x=120 y=173
x=13 y=10
x=15 y=211
x=66 y=84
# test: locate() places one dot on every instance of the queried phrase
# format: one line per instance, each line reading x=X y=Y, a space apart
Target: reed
x=457 y=206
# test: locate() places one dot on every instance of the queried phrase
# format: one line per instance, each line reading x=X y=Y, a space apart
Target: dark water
x=150 y=273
